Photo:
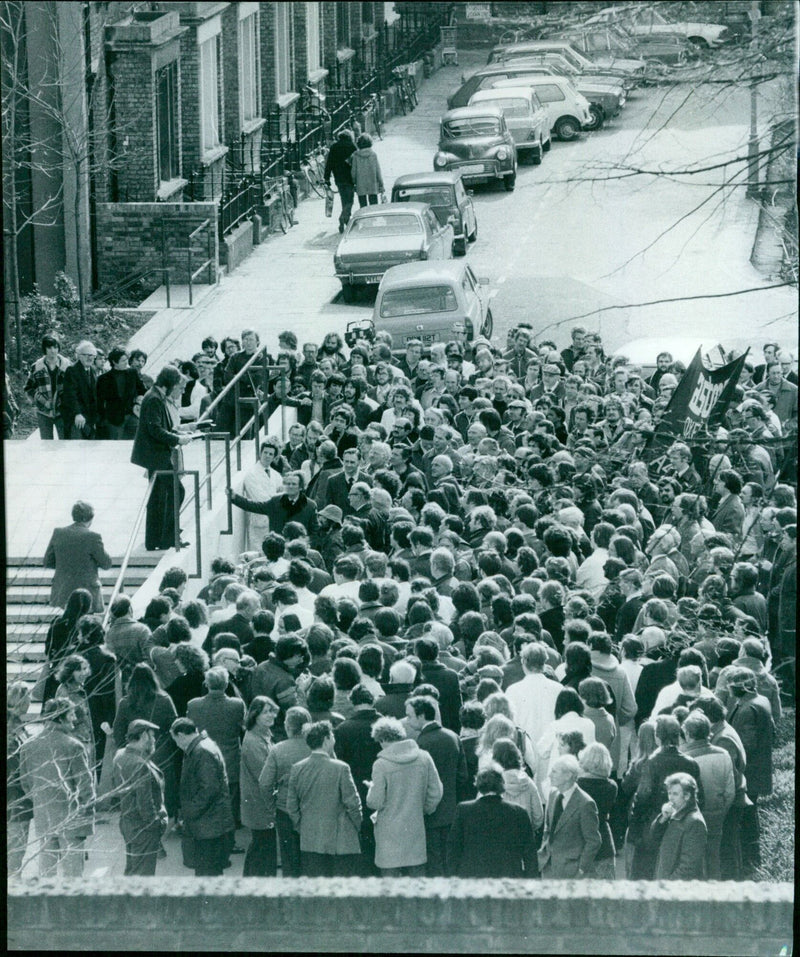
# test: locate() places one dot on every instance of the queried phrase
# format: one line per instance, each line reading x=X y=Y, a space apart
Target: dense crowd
x=478 y=630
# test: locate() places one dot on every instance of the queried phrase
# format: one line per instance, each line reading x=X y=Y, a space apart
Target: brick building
x=160 y=103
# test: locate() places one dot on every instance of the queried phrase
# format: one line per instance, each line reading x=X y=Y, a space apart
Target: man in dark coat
x=448 y=756
x=435 y=673
x=489 y=836
x=336 y=490
x=398 y=691
x=79 y=394
x=117 y=391
x=292 y=506
x=680 y=833
x=140 y=784
x=571 y=836
x=205 y=798
x=336 y=165
x=152 y=449
x=239 y=624
x=327 y=539
x=275 y=677
x=76 y=553
x=357 y=748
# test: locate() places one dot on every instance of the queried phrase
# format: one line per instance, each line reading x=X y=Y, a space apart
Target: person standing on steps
x=366 y=171
x=76 y=553
x=338 y=165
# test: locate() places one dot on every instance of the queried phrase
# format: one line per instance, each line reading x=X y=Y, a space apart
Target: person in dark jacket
x=117 y=390
x=292 y=506
x=205 y=799
x=451 y=765
x=100 y=685
x=651 y=791
x=489 y=836
x=62 y=637
x=76 y=553
x=275 y=677
x=140 y=784
x=357 y=748
x=337 y=165
x=401 y=685
x=446 y=680
x=156 y=437
x=79 y=394
x=680 y=832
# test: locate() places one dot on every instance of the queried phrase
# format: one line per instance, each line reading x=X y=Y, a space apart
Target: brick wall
x=129 y=238
x=328 y=28
x=300 y=44
x=190 y=100
x=229 y=62
x=405 y=915
x=134 y=100
x=267 y=31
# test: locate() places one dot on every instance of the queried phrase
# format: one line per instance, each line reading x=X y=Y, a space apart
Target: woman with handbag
x=366 y=170
x=61 y=640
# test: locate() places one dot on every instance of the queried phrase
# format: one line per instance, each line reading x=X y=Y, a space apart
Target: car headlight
x=502 y=153
x=440 y=160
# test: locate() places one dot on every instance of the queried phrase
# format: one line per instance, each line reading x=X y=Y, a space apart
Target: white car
x=528 y=120
x=569 y=110
x=644 y=20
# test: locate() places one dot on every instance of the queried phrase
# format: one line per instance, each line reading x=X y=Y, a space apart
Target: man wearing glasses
x=79 y=394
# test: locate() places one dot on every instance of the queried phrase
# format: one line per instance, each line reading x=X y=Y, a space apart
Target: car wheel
x=547 y=144
x=460 y=247
x=567 y=128
x=348 y=292
x=488 y=325
x=474 y=234
x=699 y=42
x=598 y=117
x=510 y=182
x=537 y=153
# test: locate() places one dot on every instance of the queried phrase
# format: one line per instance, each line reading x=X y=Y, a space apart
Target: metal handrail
x=251 y=361
x=129 y=549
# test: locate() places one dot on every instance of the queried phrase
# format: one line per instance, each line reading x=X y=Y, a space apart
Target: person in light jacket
x=681 y=832
x=405 y=787
x=366 y=171
x=325 y=808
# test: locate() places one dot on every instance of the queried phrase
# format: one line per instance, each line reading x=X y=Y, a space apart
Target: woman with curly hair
x=72 y=677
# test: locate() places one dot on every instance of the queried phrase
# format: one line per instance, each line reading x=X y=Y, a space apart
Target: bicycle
x=404 y=99
x=313 y=175
x=280 y=204
x=375 y=107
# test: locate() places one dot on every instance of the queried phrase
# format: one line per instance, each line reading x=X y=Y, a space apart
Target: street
x=564 y=244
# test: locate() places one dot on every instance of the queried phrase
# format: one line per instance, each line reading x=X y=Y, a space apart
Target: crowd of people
x=476 y=631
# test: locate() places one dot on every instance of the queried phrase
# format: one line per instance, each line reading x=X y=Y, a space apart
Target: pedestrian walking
x=366 y=171
x=337 y=165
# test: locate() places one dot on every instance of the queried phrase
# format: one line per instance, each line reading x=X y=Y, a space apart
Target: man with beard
x=140 y=784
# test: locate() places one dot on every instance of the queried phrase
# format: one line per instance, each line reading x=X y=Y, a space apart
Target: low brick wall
x=405 y=915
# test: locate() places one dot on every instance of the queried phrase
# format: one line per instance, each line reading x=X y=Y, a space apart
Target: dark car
x=476 y=142
x=447 y=197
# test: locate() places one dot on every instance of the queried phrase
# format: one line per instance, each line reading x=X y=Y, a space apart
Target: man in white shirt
x=590 y=575
x=533 y=700
x=347 y=573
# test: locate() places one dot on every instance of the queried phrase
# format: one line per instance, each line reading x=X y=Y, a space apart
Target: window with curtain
x=167 y=122
x=249 y=72
x=209 y=95
x=313 y=34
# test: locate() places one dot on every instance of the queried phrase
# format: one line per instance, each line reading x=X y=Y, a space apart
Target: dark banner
x=697 y=406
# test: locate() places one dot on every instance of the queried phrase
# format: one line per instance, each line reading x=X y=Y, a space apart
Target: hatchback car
x=527 y=119
x=447 y=197
x=476 y=142
x=570 y=112
x=378 y=237
x=434 y=302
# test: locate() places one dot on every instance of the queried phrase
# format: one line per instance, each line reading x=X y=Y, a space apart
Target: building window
x=284 y=46
x=249 y=72
x=167 y=122
x=209 y=94
x=313 y=37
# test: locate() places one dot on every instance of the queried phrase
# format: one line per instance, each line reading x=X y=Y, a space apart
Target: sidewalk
x=288 y=282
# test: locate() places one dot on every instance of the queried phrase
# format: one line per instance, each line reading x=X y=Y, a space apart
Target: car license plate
x=371 y=279
x=427 y=338
x=473 y=168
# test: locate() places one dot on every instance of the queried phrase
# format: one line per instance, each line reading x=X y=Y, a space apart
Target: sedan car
x=630 y=72
x=447 y=197
x=476 y=142
x=645 y=20
x=434 y=302
x=378 y=237
x=527 y=119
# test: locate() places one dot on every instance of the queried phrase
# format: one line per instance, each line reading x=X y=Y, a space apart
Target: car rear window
x=549 y=93
x=479 y=126
x=512 y=105
x=417 y=301
x=434 y=195
x=399 y=224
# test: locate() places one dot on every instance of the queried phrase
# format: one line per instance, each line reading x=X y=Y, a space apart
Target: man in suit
x=571 y=832
x=729 y=515
x=152 y=449
x=325 y=808
x=79 y=394
x=445 y=679
x=489 y=836
x=117 y=391
x=76 y=553
x=451 y=765
x=336 y=490
x=358 y=749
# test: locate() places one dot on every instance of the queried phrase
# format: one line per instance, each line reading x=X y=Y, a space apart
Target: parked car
x=446 y=195
x=378 y=237
x=527 y=119
x=569 y=111
x=476 y=142
x=630 y=71
x=607 y=99
x=434 y=302
x=669 y=49
x=643 y=20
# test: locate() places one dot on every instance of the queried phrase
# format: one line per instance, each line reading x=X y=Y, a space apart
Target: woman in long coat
x=405 y=787
x=62 y=637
